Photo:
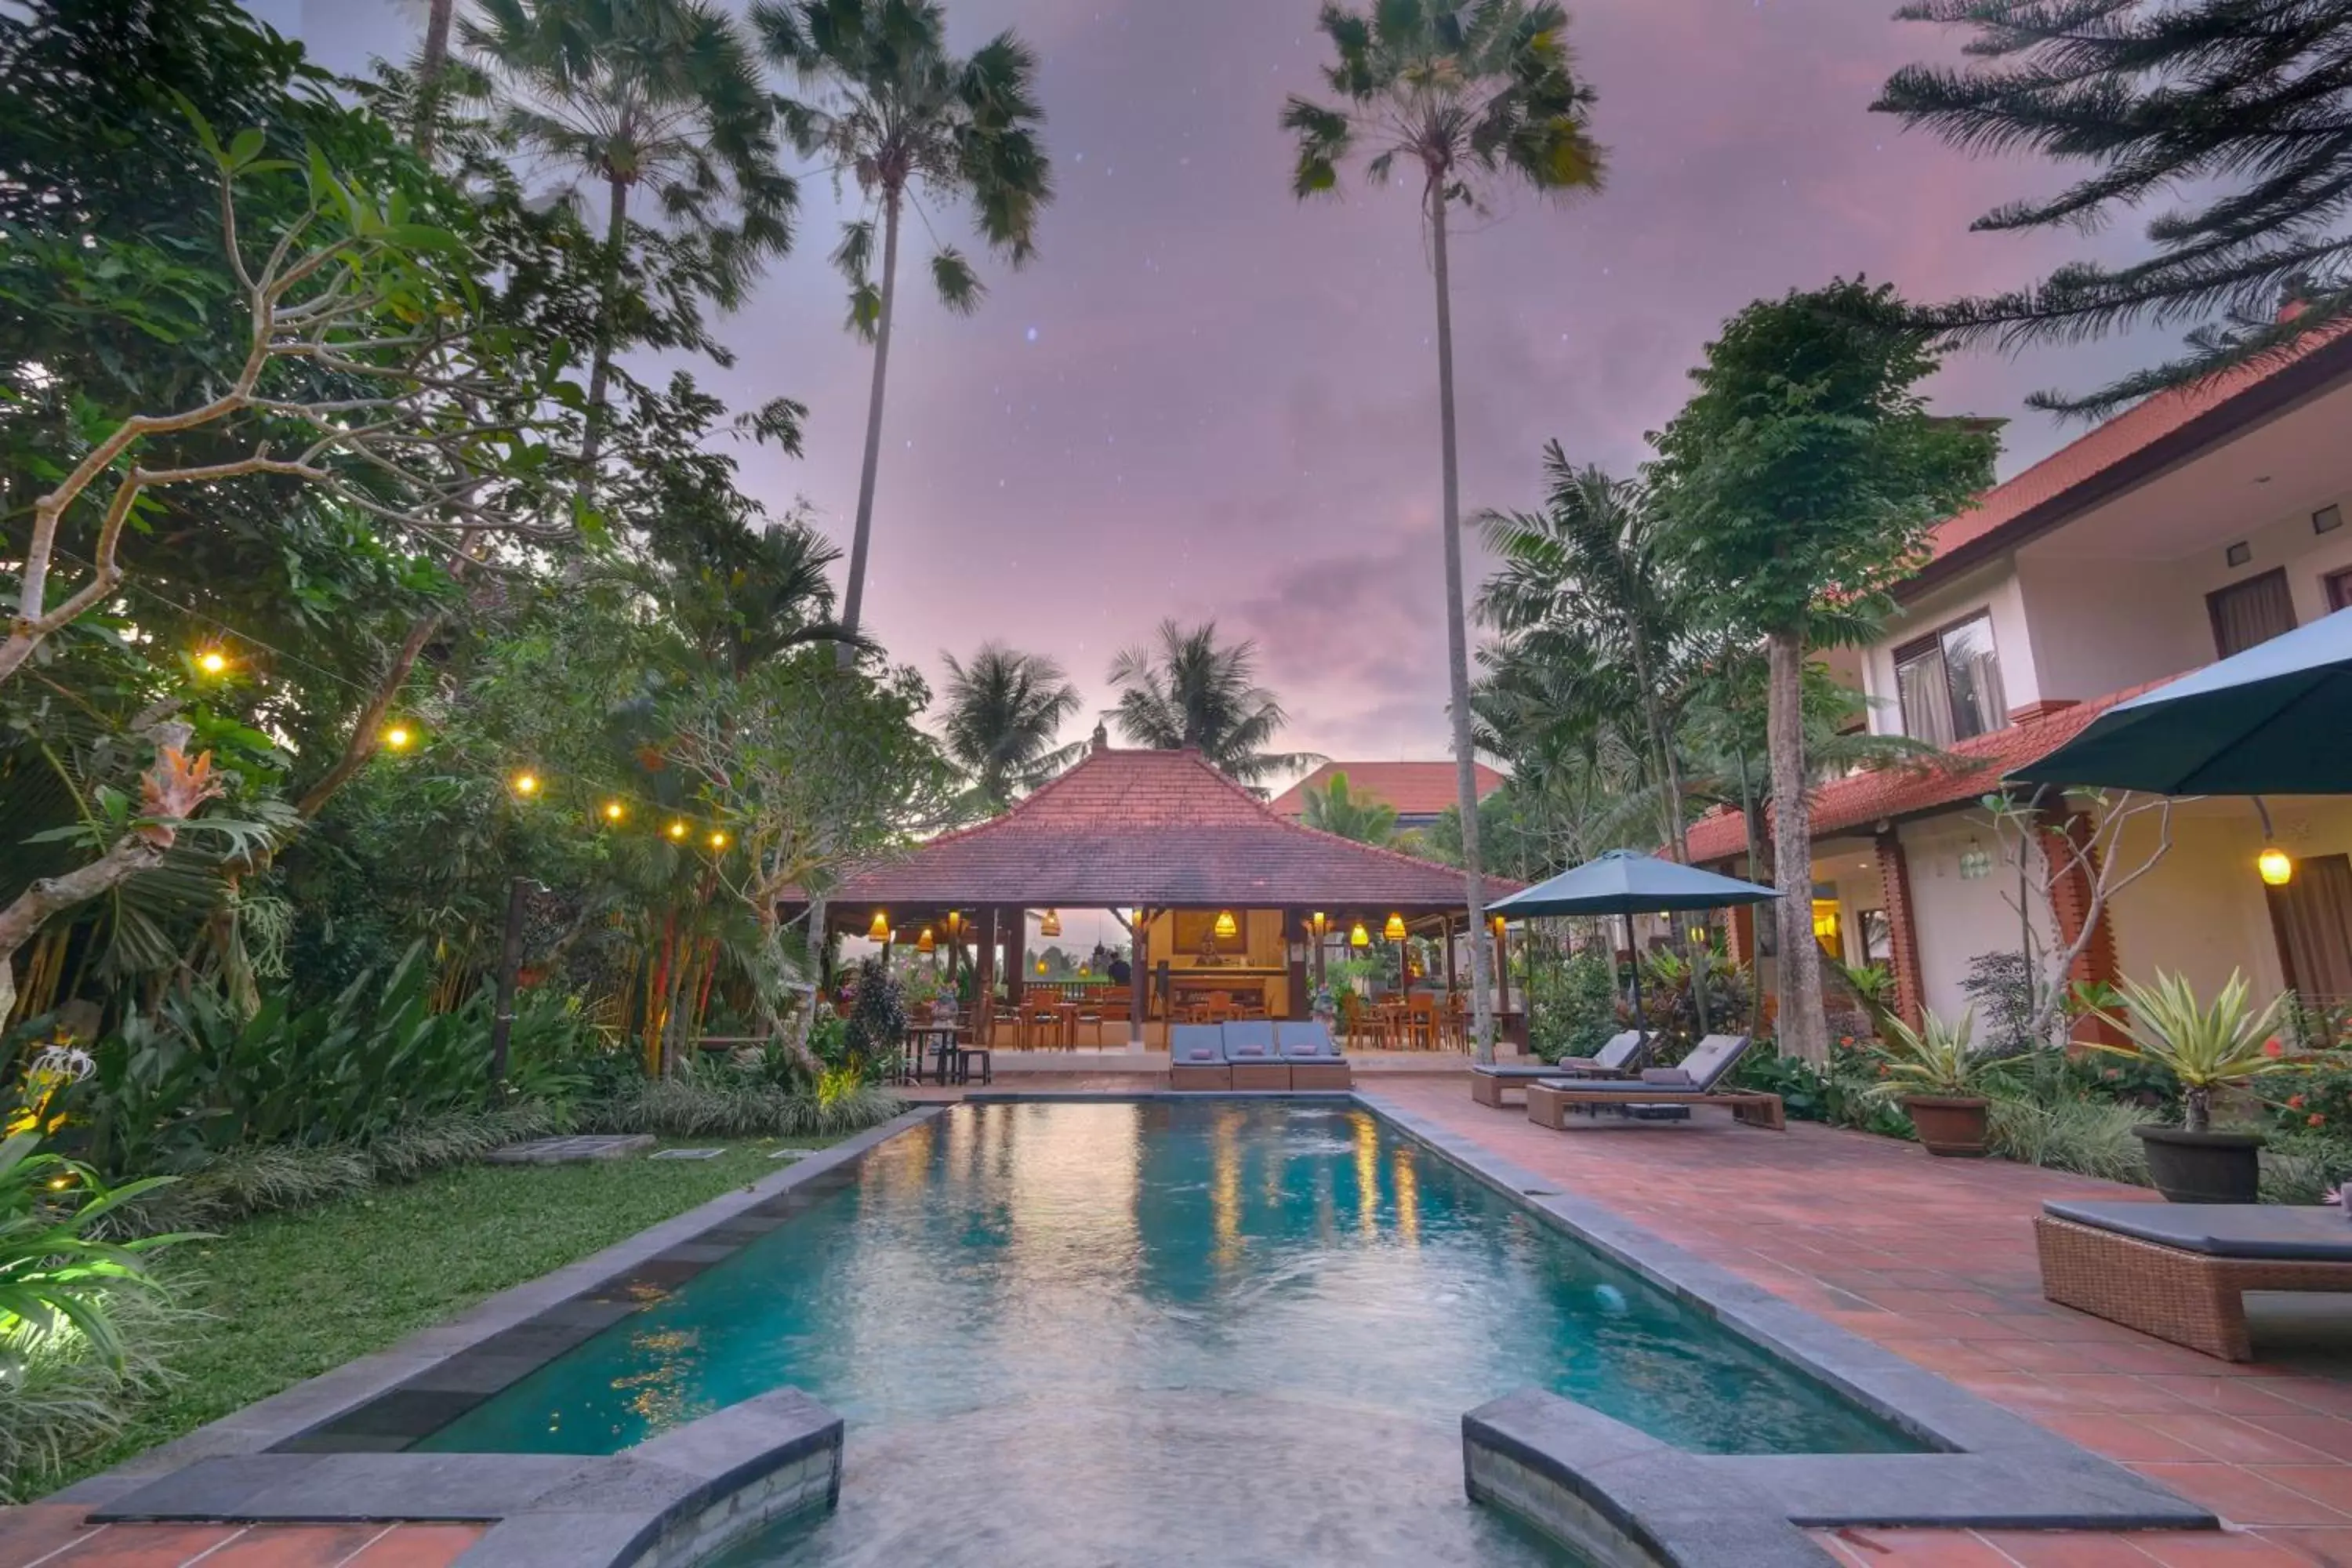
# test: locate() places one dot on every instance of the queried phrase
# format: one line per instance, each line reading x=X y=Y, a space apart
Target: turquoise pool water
x=1168 y=1317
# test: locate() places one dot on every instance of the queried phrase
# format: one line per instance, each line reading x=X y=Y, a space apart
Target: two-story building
x=2199 y=524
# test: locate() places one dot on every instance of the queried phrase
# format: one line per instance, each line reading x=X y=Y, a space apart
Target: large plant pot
x=2203 y=1167
x=1950 y=1125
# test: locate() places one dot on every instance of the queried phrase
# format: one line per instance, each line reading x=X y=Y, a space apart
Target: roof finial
x=1102 y=736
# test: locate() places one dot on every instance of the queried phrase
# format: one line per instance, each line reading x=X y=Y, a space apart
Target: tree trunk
x=1457 y=638
x=600 y=369
x=853 y=604
x=429 y=66
x=1803 y=1028
x=1670 y=772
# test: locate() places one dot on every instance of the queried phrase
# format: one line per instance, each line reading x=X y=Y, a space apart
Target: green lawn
x=293 y=1295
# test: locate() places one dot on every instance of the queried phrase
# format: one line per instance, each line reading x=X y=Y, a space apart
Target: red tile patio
x=47 y=1535
x=1934 y=1258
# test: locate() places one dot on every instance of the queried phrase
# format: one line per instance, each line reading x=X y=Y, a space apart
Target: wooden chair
x=1420 y=1022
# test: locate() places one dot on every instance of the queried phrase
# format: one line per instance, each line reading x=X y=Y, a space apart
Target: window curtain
x=1924 y=693
x=2314 y=917
x=2251 y=613
x=1977 y=705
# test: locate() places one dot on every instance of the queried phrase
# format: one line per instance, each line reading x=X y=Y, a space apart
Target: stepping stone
x=790 y=1153
x=565 y=1151
x=688 y=1153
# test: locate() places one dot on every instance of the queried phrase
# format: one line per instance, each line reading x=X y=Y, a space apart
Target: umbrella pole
x=1635 y=954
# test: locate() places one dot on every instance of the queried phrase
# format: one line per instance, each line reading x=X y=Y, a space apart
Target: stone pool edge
x=552 y=1302
x=1993 y=1470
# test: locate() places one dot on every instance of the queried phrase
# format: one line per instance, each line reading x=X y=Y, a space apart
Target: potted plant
x=1936 y=1075
x=2206 y=1047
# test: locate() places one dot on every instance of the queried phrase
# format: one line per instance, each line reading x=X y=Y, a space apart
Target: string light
x=719 y=841
x=615 y=811
x=399 y=737
x=526 y=783
x=678 y=832
x=212 y=661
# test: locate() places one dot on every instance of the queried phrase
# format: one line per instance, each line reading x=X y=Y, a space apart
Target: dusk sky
x=1205 y=400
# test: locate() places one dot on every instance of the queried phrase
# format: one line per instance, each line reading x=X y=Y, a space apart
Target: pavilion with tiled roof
x=1214 y=885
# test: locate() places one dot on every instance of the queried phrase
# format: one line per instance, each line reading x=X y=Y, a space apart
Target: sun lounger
x=1196 y=1057
x=2180 y=1271
x=1695 y=1082
x=1490 y=1080
x=1251 y=1055
x=1314 y=1061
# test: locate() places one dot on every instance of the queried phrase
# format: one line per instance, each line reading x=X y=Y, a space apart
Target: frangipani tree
x=890 y=107
x=1464 y=94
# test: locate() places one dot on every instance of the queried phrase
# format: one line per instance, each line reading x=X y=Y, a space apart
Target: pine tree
x=2243 y=105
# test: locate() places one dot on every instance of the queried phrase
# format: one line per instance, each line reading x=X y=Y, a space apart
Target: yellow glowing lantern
x=2276 y=867
x=1041 y=966
x=880 y=930
x=526 y=783
x=399 y=738
x=955 y=921
x=1050 y=923
x=212 y=661
x=1358 y=936
x=926 y=942
x=1394 y=930
x=615 y=811
x=1318 y=920
x=1226 y=925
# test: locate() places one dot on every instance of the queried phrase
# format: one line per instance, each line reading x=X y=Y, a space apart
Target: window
x=2339 y=590
x=2252 y=612
x=1877 y=937
x=2313 y=918
x=1949 y=683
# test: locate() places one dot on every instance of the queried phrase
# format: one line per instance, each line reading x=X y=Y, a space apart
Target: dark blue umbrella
x=1625 y=882
x=2275 y=719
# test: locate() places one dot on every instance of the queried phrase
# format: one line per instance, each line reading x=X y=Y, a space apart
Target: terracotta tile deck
x=47 y=1535
x=1934 y=1258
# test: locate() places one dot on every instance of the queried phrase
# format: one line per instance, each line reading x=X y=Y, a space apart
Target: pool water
x=1163 y=1331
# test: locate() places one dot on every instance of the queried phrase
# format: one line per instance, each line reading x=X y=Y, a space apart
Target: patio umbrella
x=2275 y=719
x=1625 y=882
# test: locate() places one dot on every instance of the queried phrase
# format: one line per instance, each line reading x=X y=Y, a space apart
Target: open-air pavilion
x=1218 y=892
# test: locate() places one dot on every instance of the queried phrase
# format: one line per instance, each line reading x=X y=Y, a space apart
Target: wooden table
x=944 y=1035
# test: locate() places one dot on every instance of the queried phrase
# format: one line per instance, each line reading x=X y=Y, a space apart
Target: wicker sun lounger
x=1196 y=1057
x=1314 y=1061
x=2180 y=1271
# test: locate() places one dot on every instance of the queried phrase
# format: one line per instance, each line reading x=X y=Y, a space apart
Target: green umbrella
x=1625 y=882
x=2275 y=719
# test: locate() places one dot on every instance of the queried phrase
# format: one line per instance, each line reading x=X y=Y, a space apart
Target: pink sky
x=1205 y=400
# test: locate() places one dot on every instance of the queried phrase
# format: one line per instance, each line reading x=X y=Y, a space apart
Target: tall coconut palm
x=891 y=107
x=1189 y=691
x=1464 y=92
x=655 y=99
x=1004 y=711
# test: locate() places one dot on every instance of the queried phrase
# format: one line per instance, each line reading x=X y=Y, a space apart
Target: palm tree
x=1468 y=90
x=1338 y=809
x=899 y=112
x=658 y=97
x=1189 y=691
x=1004 y=711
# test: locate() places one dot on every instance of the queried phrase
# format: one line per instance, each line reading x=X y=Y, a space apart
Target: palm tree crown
x=1338 y=809
x=1188 y=690
x=889 y=106
x=1004 y=711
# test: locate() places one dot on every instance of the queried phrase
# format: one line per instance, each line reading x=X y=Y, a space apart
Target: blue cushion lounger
x=1251 y=1055
x=2181 y=1271
x=1315 y=1062
x=1616 y=1059
x=1697 y=1082
x=1196 y=1057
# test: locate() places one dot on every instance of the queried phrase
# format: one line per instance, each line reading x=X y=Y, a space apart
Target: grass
x=292 y=1295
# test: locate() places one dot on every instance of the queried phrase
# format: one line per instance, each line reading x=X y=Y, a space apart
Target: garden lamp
x=2276 y=866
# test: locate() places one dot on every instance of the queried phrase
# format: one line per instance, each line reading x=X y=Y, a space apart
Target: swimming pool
x=1149 y=1326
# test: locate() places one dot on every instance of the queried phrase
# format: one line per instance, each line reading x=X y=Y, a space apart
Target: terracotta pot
x=2203 y=1167
x=1950 y=1125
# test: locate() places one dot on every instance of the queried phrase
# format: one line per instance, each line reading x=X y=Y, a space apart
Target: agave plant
x=56 y=1273
x=1938 y=1059
x=2207 y=1046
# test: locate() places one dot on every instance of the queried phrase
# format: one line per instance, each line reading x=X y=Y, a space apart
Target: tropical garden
x=410 y=726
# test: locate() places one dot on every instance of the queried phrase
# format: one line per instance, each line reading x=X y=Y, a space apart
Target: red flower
x=2295 y=1102
x=2315 y=1120
x=1845 y=1039
x=2271 y=1048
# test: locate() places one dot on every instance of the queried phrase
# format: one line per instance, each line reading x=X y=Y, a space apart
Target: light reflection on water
x=1205 y=1317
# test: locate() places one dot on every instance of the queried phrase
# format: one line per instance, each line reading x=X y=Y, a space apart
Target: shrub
x=1939 y=1057
x=1842 y=1096
x=2089 y=1137
x=62 y=1402
x=877 y=1028
x=59 y=1277
x=727 y=1101
x=1572 y=1005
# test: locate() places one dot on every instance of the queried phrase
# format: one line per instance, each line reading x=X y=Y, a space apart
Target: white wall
x=2286 y=541
x=2201 y=910
x=1958 y=918
x=2102 y=626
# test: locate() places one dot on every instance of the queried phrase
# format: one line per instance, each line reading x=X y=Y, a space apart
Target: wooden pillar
x=1016 y=954
x=1451 y=987
x=984 y=965
x=1301 y=1004
x=1902 y=928
x=1138 y=979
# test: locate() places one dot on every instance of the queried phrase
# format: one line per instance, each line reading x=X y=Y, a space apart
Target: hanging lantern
x=1358 y=936
x=1395 y=929
x=2277 y=868
x=1050 y=923
x=926 y=942
x=880 y=930
x=1319 y=921
x=1226 y=925
x=1500 y=922
x=955 y=921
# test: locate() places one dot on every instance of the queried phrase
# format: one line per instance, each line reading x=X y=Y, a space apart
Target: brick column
x=1902 y=928
x=2066 y=842
x=1743 y=933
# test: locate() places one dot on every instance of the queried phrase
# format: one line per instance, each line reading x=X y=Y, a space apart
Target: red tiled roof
x=1883 y=795
x=1151 y=827
x=1415 y=789
x=2078 y=465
